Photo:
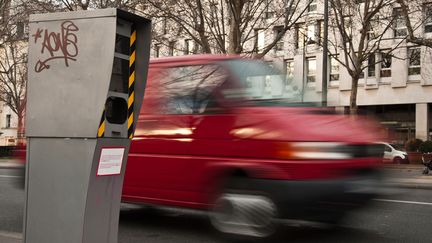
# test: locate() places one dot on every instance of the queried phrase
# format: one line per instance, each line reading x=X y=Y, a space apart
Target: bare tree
x=13 y=77
x=224 y=26
x=359 y=30
x=13 y=59
x=74 y=5
x=417 y=14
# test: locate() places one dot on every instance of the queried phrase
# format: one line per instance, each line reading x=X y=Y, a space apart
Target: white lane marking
x=14 y=235
x=401 y=201
x=9 y=176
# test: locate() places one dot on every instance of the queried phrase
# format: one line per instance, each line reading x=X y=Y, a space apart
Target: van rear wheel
x=242 y=212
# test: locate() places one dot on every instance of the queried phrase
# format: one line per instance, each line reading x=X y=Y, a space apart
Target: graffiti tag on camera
x=58 y=45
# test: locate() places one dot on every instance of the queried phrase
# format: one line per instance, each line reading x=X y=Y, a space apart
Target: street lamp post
x=325 y=56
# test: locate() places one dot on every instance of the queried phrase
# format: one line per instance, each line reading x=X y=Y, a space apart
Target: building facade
x=8 y=126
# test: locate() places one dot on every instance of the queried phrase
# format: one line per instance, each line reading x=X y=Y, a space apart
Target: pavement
x=406 y=176
x=10 y=237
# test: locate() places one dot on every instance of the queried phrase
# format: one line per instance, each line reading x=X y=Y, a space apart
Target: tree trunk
x=232 y=38
x=204 y=43
x=234 y=35
x=20 y=128
x=201 y=30
x=353 y=97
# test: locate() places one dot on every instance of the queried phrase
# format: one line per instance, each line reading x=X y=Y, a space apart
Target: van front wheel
x=244 y=213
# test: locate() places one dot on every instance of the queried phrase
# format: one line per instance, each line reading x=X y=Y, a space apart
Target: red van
x=208 y=138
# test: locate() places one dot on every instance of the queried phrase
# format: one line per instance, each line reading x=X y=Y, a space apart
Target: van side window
x=188 y=89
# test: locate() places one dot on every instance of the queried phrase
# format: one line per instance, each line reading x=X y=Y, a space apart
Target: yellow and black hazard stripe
x=131 y=92
x=101 y=130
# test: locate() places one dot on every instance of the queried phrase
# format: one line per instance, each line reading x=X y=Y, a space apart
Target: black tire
x=251 y=213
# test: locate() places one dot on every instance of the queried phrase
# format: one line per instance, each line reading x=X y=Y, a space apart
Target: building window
x=156 y=50
x=373 y=29
x=386 y=63
x=320 y=32
x=8 y=121
x=371 y=65
x=308 y=34
x=171 y=46
x=9 y=100
x=313 y=6
x=334 y=69
x=259 y=40
x=280 y=44
x=428 y=18
x=20 y=29
x=414 y=61
x=289 y=65
x=311 y=69
x=348 y=25
x=164 y=26
x=268 y=13
x=188 y=48
x=300 y=36
x=400 y=29
x=311 y=34
x=256 y=33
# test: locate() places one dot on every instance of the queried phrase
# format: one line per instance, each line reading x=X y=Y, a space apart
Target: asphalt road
x=403 y=215
x=11 y=201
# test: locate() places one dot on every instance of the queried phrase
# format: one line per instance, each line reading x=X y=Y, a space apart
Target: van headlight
x=329 y=150
x=319 y=150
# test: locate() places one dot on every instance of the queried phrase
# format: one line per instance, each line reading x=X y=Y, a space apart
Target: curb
x=410 y=183
x=403 y=167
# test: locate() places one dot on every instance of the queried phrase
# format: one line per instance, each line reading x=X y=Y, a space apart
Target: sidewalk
x=403 y=166
x=407 y=176
x=422 y=182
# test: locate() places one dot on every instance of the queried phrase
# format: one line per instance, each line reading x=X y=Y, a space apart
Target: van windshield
x=262 y=85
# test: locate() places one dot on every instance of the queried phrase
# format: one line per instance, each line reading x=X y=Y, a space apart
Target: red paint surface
x=186 y=169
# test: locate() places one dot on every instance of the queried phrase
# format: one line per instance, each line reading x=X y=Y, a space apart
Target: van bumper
x=321 y=200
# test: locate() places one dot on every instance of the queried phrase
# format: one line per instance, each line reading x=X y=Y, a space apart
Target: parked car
x=394 y=154
x=207 y=140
